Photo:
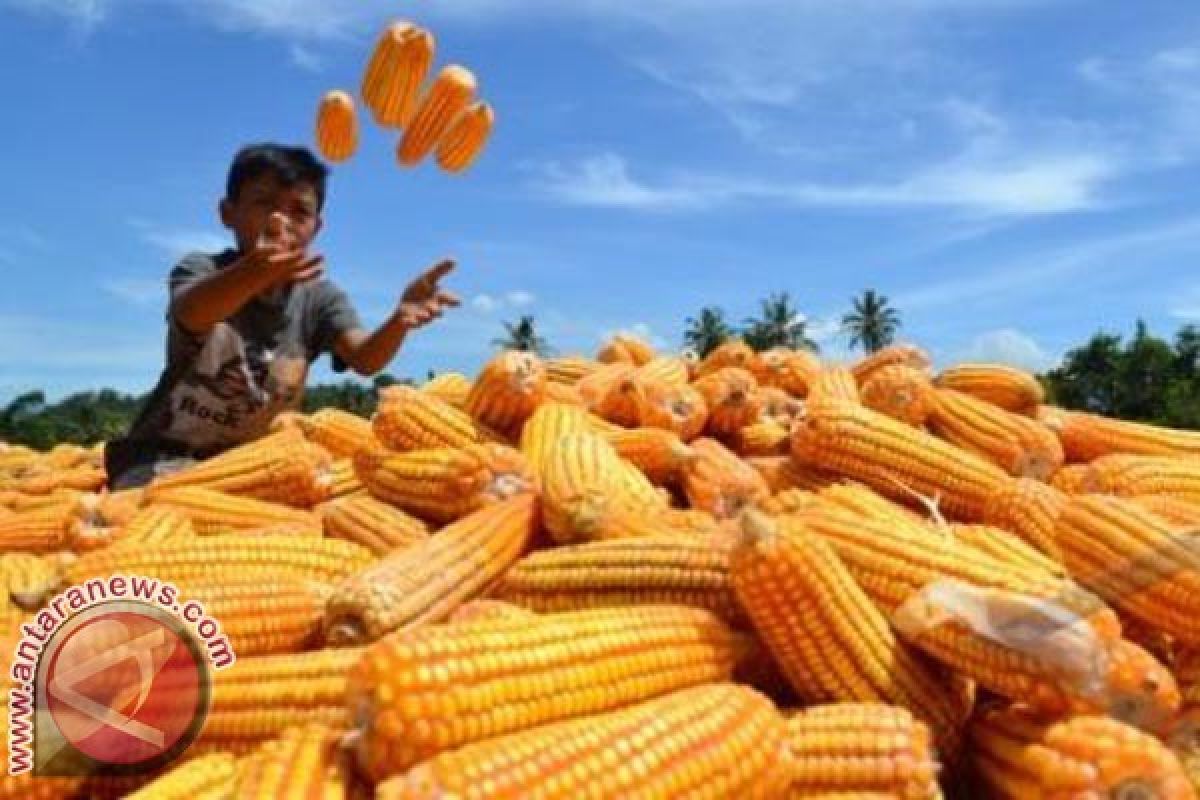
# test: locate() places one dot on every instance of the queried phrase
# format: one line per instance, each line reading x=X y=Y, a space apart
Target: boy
x=244 y=325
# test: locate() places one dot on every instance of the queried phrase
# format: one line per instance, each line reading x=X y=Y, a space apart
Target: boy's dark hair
x=290 y=165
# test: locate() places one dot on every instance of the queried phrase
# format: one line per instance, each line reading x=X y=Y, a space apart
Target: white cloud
x=514 y=299
x=1007 y=346
x=139 y=292
x=174 y=242
x=306 y=58
x=84 y=13
x=519 y=298
x=485 y=303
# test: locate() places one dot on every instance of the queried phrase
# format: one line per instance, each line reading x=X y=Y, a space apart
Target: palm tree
x=523 y=336
x=779 y=325
x=872 y=323
x=708 y=331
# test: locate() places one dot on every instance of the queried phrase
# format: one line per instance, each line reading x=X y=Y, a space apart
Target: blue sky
x=1013 y=174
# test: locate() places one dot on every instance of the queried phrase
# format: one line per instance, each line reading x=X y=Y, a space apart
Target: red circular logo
x=125 y=685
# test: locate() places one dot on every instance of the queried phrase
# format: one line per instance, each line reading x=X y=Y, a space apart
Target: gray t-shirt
x=223 y=389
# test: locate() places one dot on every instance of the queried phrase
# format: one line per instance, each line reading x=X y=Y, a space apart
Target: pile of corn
x=642 y=575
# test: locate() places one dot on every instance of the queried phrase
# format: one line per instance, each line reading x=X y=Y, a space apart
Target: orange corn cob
x=719 y=482
x=861 y=747
x=204 y=778
x=561 y=393
x=732 y=399
x=1005 y=387
x=1022 y=757
x=780 y=407
x=485 y=609
x=895 y=459
x=1135 y=561
x=570 y=369
x=1021 y=446
x=392 y=81
x=29 y=580
x=84 y=478
x=59 y=498
x=833 y=384
x=445 y=485
x=157 y=525
x=1127 y=476
x=212 y=512
x=463 y=143
x=661 y=455
x=1153 y=641
x=341 y=433
x=793 y=371
x=624 y=348
x=537 y=670
x=762 y=440
x=1030 y=509
x=427 y=581
x=1184 y=740
x=858 y=499
x=450 y=387
x=408 y=419
x=735 y=353
x=262 y=615
x=783 y=472
x=1071 y=479
x=830 y=641
x=375 y=525
x=507 y=391
x=1007 y=547
x=539 y=437
x=665 y=369
x=653 y=570
x=900 y=392
x=337 y=126
x=681 y=409
x=905 y=354
x=788 y=501
x=706 y=743
x=40 y=531
x=343 y=480
x=1173 y=510
x=1086 y=437
x=450 y=94
x=611 y=393
x=303 y=762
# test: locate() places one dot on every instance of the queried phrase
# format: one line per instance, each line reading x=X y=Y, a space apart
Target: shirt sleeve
x=335 y=315
x=182 y=343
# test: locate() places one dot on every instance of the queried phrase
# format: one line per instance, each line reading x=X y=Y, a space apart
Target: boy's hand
x=276 y=252
x=424 y=300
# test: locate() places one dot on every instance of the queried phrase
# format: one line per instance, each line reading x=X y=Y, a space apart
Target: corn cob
x=1152 y=640
x=449 y=387
x=625 y=348
x=681 y=409
x=691 y=521
x=1182 y=513
x=341 y=433
x=611 y=393
x=651 y=570
x=832 y=643
x=466 y=137
x=783 y=472
x=1023 y=447
x=84 y=478
x=735 y=353
x=508 y=390
x=1007 y=547
x=291 y=472
x=398 y=66
x=539 y=437
x=788 y=501
x=780 y=407
x=671 y=370
x=343 y=480
x=853 y=747
x=1030 y=509
x=1022 y=757
x=212 y=512
x=793 y=371
x=373 y=524
x=536 y=671
x=904 y=354
x=41 y=531
x=895 y=459
x=900 y=392
x=29 y=580
x=858 y=499
x=260 y=697
x=1071 y=479
x=710 y=742
x=262 y=615
x=719 y=482
x=287 y=421
x=427 y=581
x=1005 y=387
x=322 y=560
x=1127 y=476
x=1135 y=561
x=584 y=481
x=732 y=399
x=762 y=440
x=1187 y=671
x=157 y=525
x=449 y=95
x=570 y=369
x=485 y=609
x=29 y=787
x=1183 y=738
x=1086 y=437
x=661 y=455
x=337 y=126
x=833 y=384
x=561 y=393
x=60 y=498
x=303 y=762
x=408 y=419
x=206 y=777
x=445 y=485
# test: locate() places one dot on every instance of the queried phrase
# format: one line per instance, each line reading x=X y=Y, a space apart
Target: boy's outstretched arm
x=422 y=302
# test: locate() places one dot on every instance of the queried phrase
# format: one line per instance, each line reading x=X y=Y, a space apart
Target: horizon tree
x=779 y=324
x=522 y=335
x=707 y=331
x=872 y=323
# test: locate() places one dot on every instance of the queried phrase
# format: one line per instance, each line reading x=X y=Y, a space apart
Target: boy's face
x=265 y=195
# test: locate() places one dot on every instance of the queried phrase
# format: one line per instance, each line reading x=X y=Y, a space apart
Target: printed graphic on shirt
x=233 y=391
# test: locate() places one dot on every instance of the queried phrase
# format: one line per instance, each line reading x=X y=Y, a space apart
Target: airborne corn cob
x=450 y=387
x=708 y=743
x=462 y=144
x=833 y=384
x=660 y=455
x=793 y=371
x=392 y=82
x=212 y=512
x=626 y=572
x=337 y=126
x=904 y=354
x=1023 y=447
x=732 y=398
x=204 y=778
x=303 y=762
x=426 y=582
x=446 y=484
x=624 y=348
x=831 y=642
x=735 y=353
x=449 y=95
x=681 y=409
x=900 y=392
x=719 y=482
x=507 y=391
x=408 y=419
x=1086 y=437
x=341 y=433
x=41 y=531
x=861 y=747
x=513 y=674
x=1021 y=757
x=1004 y=387
x=372 y=523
